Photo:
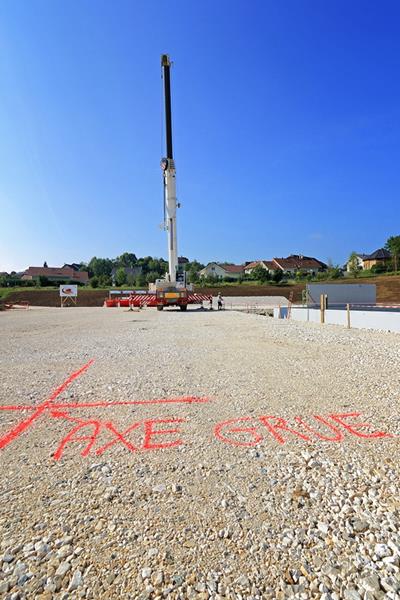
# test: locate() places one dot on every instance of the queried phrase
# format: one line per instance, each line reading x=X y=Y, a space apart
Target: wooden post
x=322 y=308
x=348 y=315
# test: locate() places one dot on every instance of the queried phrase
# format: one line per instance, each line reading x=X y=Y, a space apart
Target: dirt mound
x=256 y=290
x=52 y=297
x=387 y=287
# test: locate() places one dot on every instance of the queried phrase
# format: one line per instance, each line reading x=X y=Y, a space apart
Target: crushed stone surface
x=279 y=475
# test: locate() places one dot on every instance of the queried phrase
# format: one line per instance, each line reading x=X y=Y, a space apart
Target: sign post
x=68 y=295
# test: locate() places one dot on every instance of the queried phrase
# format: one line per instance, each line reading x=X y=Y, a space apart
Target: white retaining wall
x=359 y=319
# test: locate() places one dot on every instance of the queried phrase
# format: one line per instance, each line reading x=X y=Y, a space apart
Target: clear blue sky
x=286 y=128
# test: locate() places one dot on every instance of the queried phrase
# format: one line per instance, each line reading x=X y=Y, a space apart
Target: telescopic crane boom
x=169 y=173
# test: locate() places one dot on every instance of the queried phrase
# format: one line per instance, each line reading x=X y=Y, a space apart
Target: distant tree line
x=149 y=268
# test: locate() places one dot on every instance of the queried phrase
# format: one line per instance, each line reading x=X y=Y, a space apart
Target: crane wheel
x=183 y=306
x=160 y=307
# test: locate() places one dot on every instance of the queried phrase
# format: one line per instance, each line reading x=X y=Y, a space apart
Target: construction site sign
x=68 y=291
x=68 y=295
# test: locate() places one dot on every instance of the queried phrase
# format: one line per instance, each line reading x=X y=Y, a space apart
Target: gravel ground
x=273 y=511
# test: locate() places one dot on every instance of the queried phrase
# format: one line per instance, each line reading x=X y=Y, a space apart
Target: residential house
x=299 y=263
x=220 y=271
x=291 y=264
x=74 y=266
x=379 y=257
x=268 y=265
x=360 y=261
x=56 y=274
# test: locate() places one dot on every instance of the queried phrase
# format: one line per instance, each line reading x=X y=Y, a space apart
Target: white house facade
x=221 y=271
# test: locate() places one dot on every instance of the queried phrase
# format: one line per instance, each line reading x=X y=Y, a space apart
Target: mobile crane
x=173 y=289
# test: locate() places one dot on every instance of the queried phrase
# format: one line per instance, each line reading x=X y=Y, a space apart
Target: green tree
x=260 y=274
x=152 y=264
x=100 y=266
x=277 y=276
x=120 y=276
x=192 y=269
x=393 y=246
x=193 y=265
x=131 y=280
x=352 y=264
x=43 y=281
x=193 y=277
x=105 y=281
x=140 y=280
x=127 y=259
x=143 y=262
x=152 y=276
x=94 y=281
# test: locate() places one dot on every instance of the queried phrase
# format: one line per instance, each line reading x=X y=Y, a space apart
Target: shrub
x=105 y=281
x=43 y=281
x=378 y=268
x=334 y=273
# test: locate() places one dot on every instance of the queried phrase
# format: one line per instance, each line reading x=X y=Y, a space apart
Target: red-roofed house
x=268 y=265
x=221 y=271
x=298 y=262
x=57 y=274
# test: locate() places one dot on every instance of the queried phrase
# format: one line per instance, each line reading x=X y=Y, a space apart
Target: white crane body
x=170 y=218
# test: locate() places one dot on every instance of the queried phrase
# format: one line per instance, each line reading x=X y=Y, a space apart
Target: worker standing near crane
x=220 y=301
